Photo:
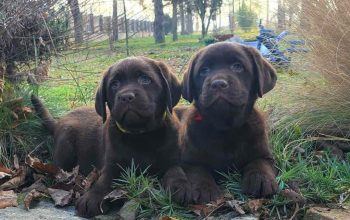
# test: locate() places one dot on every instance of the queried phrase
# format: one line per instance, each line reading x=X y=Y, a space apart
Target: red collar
x=198 y=117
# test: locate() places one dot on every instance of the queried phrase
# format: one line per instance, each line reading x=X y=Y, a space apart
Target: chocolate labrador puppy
x=77 y=137
x=222 y=129
x=140 y=94
x=138 y=125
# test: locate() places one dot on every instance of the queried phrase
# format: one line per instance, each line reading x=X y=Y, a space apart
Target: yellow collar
x=126 y=131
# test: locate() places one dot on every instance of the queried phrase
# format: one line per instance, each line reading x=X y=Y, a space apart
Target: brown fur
x=231 y=133
x=151 y=130
x=141 y=129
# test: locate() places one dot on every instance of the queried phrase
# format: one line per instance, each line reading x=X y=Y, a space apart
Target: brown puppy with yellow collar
x=140 y=94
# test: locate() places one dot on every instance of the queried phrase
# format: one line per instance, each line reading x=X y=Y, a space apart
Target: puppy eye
x=236 y=67
x=144 y=79
x=115 y=84
x=204 y=71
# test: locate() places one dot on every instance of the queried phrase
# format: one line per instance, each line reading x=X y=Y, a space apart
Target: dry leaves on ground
x=8 y=199
x=31 y=196
x=65 y=187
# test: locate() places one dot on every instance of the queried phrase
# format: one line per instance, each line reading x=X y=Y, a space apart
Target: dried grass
x=324 y=106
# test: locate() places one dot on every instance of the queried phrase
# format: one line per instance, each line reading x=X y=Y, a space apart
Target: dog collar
x=198 y=117
x=126 y=131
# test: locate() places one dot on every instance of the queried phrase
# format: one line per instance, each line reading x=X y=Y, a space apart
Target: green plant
x=246 y=17
x=209 y=40
x=151 y=199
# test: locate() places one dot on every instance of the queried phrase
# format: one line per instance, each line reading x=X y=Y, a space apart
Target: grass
x=149 y=197
x=74 y=77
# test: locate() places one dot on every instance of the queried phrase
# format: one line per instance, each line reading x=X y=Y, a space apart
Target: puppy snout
x=219 y=84
x=126 y=97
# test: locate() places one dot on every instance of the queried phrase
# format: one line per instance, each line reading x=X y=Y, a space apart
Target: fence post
x=109 y=30
x=100 y=23
x=91 y=21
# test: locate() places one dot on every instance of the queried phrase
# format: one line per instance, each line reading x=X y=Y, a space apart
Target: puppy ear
x=188 y=90
x=265 y=72
x=101 y=97
x=172 y=84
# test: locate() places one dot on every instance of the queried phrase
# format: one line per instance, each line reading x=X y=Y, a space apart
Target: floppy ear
x=188 y=90
x=172 y=84
x=265 y=72
x=101 y=97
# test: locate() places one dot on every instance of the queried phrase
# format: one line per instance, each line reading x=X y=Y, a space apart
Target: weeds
x=151 y=199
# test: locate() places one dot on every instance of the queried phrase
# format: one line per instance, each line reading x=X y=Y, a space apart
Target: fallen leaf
x=60 y=197
x=26 y=109
x=40 y=167
x=234 y=204
x=113 y=196
x=200 y=210
x=207 y=209
x=255 y=204
x=4 y=175
x=15 y=162
x=17 y=180
x=67 y=177
x=38 y=186
x=167 y=218
x=293 y=196
x=4 y=169
x=8 y=199
x=31 y=196
x=91 y=179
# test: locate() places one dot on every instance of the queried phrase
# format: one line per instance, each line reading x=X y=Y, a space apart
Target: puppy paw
x=205 y=191
x=181 y=191
x=259 y=184
x=89 y=204
x=176 y=181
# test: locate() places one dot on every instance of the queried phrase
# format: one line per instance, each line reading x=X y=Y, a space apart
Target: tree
x=246 y=17
x=168 y=24
x=77 y=20
x=159 y=34
x=174 y=19
x=115 y=21
x=201 y=7
x=281 y=15
x=182 y=17
x=189 y=19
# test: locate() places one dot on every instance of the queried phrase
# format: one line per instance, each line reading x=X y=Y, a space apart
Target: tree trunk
x=182 y=17
x=189 y=19
x=267 y=12
x=203 y=26
x=126 y=30
x=281 y=15
x=174 y=20
x=91 y=23
x=209 y=19
x=159 y=34
x=115 y=21
x=78 y=21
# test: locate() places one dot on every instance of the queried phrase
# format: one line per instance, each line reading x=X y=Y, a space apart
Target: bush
x=209 y=40
x=246 y=17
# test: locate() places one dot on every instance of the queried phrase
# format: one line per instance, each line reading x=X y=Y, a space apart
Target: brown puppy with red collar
x=222 y=129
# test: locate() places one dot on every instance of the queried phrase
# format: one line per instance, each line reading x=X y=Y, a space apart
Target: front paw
x=89 y=204
x=181 y=191
x=259 y=184
x=205 y=191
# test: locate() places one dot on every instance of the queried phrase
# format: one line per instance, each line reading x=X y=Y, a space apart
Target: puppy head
x=137 y=91
x=224 y=80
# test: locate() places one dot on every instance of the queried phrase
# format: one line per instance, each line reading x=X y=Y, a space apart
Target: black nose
x=219 y=84
x=126 y=97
